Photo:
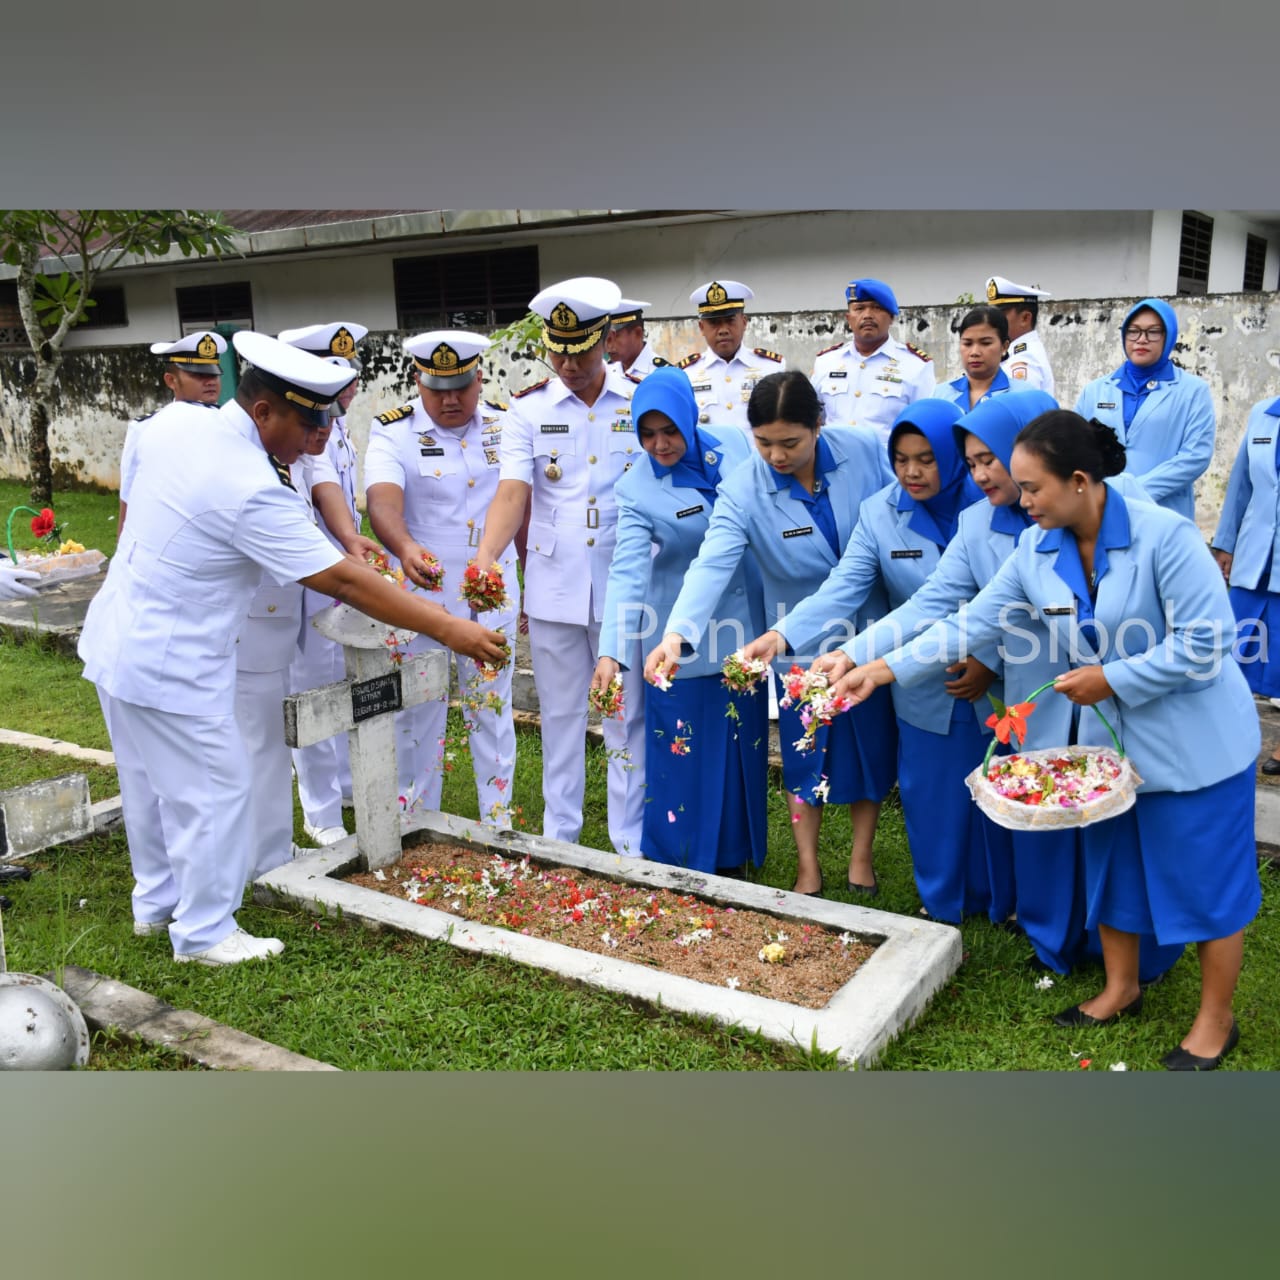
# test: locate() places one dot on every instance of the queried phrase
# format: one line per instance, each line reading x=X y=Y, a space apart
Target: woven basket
x=1018 y=815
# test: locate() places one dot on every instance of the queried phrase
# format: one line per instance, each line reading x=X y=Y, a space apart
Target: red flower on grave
x=43 y=525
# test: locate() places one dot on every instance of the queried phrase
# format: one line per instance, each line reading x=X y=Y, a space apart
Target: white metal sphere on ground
x=41 y=1028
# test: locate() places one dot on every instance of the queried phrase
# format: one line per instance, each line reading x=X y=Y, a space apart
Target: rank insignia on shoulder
x=828 y=350
x=498 y=406
x=660 y=363
x=915 y=351
x=767 y=355
x=145 y=416
x=692 y=358
x=527 y=390
x=1022 y=346
x=394 y=415
x=631 y=377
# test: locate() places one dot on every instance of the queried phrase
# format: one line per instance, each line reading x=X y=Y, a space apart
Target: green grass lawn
x=89 y=518
x=373 y=1000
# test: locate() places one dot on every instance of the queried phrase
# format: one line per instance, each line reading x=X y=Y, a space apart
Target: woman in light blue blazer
x=794 y=505
x=705 y=806
x=1163 y=415
x=1244 y=546
x=984 y=346
x=1130 y=593
x=956 y=851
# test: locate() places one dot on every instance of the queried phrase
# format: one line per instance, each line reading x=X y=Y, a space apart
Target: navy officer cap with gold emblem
x=629 y=312
x=446 y=359
x=196 y=353
x=717 y=296
x=338 y=338
x=1000 y=292
x=868 y=290
x=576 y=313
x=308 y=382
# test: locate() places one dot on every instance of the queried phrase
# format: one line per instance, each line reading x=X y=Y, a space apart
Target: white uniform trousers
x=420 y=734
x=323 y=769
x=260 y=715
x=564 y=657
x=196 y=778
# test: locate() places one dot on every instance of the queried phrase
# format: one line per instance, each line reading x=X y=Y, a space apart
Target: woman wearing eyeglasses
x=1163 y=415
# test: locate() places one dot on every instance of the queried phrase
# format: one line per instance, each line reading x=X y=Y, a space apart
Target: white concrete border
x=913 y=960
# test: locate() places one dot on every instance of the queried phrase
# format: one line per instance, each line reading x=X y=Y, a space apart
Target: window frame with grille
x=1255 y=264
x=476 y=290
x=1195 y=249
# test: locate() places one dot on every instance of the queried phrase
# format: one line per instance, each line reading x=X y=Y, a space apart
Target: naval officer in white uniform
x=870 y=379
x=626 y=344
x=567 y=439
x=431 y=471
x=724 y=373
x=1028 y=360
x=213 y=505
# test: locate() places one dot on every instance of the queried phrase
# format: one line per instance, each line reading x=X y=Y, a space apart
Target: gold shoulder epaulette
x=767 y=355
x=535 y=386
x=660 y=363
x=915 y=351
x=828 y=350
x=394 y=415
x=499 y=405
x=692 y=358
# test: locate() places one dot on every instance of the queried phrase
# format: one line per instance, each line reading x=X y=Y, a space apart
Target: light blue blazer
x=1169 y=441
x=755 y=511
x=644 y=582
x=1165 y=633
x=1249 y=526
x=884 y=549
x=957 y=390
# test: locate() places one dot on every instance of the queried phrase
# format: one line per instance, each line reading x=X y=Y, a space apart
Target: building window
x=107 y=313
x=465 y=290
x=1193 y=253
x=1255 y=263
x=203 y=306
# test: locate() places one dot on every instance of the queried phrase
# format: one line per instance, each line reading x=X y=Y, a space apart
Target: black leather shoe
x=5 y=904
x=1271 y=767
x=1181 y=1060
x=863 y=890
x=11 y=872
x=818 y=892
x=1075 y=1016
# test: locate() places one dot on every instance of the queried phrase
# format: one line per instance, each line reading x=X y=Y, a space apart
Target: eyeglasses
x=1150 y=335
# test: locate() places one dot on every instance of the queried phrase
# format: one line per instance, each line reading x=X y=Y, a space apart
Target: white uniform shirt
x=646 y=362
x=723 y=387
x=573 y=524
x=337 y=465
x=1029 y=362
x=134 y=433
x=207 y=514
x=449 y=476
x=870 y=391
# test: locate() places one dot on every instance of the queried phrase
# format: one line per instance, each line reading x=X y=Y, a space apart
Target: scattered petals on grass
x=733 y=984
x=1043 y=984
x=1086 y=1063
x=1117 y=1066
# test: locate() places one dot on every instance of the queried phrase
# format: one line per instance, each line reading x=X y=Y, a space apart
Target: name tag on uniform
x=838 y=373
x=1260 y=440
x=1058 y=610
x=689 y=511
x=1106 y=404
x=554 y=428
x=432 y=453
x=906 y=555
x=797 y=533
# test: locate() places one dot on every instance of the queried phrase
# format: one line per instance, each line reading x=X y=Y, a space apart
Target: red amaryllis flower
x=43 y=524
x=1014 y=721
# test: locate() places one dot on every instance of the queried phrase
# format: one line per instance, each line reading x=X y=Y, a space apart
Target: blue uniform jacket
x=884 y=549
x=1164 y=635
x=957 y=390
x=643 y=585
x=1249 y=527
x=1169 y=441
x=755 y=511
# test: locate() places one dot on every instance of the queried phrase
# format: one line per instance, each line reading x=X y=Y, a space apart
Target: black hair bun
x=1110 y=450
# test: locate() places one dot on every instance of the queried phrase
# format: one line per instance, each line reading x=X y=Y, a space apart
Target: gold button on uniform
x=591 y=542
x=857 y=393
x=463 y=443
x=271 y=608
x=591 y=457
x=591 y=500
x=471 y=484
x=591 y=417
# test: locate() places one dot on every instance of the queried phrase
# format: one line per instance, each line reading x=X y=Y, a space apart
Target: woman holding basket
x=1130 y=593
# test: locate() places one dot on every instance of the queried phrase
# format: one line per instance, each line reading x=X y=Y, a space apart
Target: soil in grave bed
x=675 y=932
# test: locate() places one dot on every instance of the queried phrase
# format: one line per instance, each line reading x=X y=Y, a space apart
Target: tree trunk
x=38 y=419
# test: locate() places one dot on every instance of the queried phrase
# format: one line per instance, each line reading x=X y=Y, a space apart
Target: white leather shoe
x=1275 y=702
x=151 y=928
x=325 y=835
x=234 y=949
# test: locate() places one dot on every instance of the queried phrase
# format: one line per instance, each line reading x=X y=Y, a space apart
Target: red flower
x=1014 y=721
x=43 y=524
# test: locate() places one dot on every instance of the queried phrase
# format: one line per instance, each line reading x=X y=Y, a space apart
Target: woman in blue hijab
x=957 y=853
x=706 y=757
x=1162 y=415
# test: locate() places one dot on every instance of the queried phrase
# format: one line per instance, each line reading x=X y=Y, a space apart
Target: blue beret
x=872 y=291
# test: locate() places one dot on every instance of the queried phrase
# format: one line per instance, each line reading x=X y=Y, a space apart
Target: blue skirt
x=963 y=862
x=857 y=753
x=1180 y=864
x=1258 y=615
x=705 y=810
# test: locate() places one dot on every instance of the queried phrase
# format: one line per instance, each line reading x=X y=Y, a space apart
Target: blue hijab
x=996 y=423
x=1135 y=382
x=669 y=391
x=936 y=518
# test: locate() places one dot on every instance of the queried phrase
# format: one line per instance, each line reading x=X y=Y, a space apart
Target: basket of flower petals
x=1050 y=788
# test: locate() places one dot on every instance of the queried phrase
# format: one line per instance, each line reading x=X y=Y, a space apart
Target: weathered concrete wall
x=1231 y=340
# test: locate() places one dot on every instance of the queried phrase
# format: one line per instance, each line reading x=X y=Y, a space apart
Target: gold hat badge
x=342 y=343
x=444 y=358
x=716 y=294
x=992 y=292
x=563 y=316
x=206 y=347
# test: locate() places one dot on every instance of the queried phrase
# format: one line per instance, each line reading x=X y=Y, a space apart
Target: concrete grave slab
x=913 y=960
x=40 y=814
